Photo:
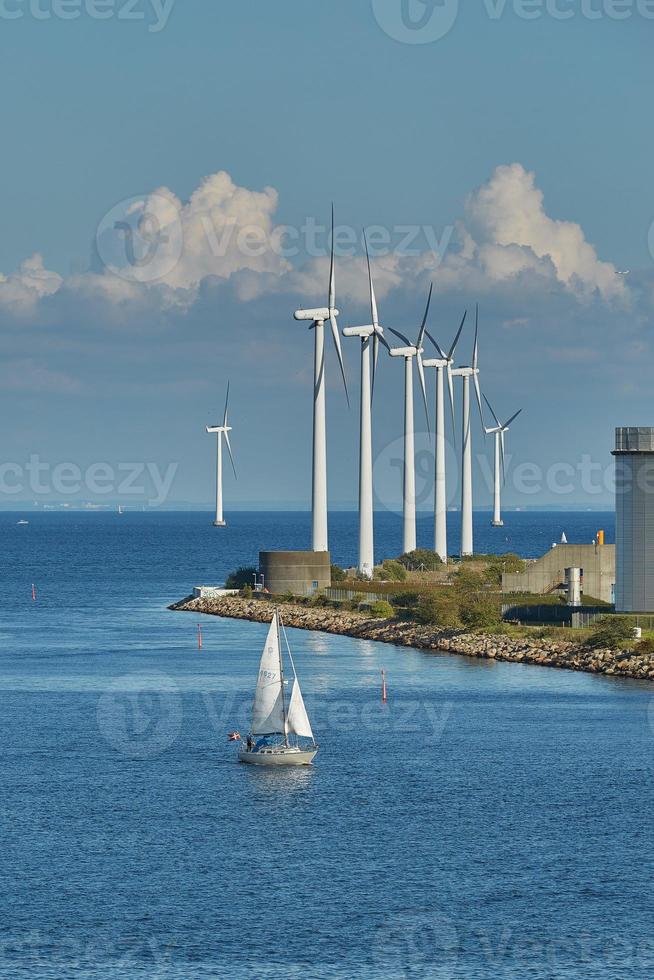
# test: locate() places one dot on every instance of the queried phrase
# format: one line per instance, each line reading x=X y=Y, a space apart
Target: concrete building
x=547 y=574
x=634 y=519
x=301 y=572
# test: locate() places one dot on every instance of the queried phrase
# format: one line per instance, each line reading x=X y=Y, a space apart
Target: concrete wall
x=541 y=576
x=634 y=519
x=301 y=572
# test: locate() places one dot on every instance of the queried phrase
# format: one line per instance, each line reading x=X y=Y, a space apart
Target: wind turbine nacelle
x=211 y=429
x=403 y=352
x=434 y=362
x=313 y=315
x=359 y=331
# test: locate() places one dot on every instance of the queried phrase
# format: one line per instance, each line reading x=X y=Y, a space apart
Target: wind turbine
x=498 y=430
x=466 y=373
x=443 y=363
x=366 y=530
x=319 y=537
x=221 y=431
x=409 y=352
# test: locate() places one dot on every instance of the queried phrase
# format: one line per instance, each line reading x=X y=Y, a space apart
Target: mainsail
x=297 y=722
x=268 y=707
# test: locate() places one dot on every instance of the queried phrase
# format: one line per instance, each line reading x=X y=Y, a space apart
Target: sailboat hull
x=278 y=756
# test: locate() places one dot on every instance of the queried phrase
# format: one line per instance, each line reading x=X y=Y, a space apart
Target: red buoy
x=33 y=592
x=199 y=636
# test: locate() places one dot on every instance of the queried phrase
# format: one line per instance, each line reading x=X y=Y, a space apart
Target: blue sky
x=317 y=101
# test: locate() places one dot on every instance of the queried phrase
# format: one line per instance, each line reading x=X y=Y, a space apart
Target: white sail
x=298 y=720
x=267 y=710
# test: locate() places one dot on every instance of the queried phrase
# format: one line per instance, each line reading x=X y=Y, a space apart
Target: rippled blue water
x=491 y=821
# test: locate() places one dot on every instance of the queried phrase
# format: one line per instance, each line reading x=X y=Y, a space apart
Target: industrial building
x=300 y=572
x=634 y=519
x=546 y=575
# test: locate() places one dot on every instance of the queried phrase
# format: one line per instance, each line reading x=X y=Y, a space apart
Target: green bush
x=420 y=560
x=338 y=575
x=645 y=646
x=241 y=577
x=438 y=609
x=394 y=570
x=611 y=632
x=468 y=580
x=382 y=610
x=481 y=612
x=246 y=592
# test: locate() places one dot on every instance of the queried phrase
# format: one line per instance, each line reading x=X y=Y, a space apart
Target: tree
x=481 y=612
x=611 y=632
x=240 y=577
x=382 y=610
x=421 y=560
x=390 y=571
x=438 y=609
x=338 y=575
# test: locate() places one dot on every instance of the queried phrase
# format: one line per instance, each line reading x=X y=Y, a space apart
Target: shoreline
x=561 y=655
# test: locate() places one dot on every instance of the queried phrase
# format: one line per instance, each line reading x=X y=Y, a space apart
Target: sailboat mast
x=281 y=677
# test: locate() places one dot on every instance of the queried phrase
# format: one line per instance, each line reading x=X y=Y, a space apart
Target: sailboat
x=278 y=722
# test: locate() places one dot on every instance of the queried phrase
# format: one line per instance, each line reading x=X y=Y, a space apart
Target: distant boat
x=22 y=522
x=120 y=509
x=274 y=717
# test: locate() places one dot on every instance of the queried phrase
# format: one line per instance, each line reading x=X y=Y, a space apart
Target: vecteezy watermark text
x=102 y=480
x=426 y=21
x=154 y=13
x=142 y=239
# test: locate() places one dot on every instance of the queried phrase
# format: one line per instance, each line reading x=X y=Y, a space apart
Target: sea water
x=490 y=821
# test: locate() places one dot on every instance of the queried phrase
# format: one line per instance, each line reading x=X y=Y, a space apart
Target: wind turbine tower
x=443 y=364
x=366 y=523
x=319 y=534
x=468 y=373
x=221 y=432
x=410 y=352
x=498 y=430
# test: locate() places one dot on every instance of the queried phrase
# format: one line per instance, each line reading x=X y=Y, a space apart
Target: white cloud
x=513 y=232
x=21 y=290
x=157 y=253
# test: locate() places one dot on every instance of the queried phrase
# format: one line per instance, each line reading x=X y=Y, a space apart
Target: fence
x=343 y=595
x=553 y=615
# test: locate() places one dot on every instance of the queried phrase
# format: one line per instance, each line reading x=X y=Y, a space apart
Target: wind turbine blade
x=475 y=349
x=438 y=347
x=226 y=403
x=375 y=358
x=456 y=339
x=382 y=339
x=339 y=352
x=497 y=421
x=421 y=375
x=229 y=450
x=478 y=394
x=450 y=386
x=423 y=326
x=332 y=271
x=512 y=419
x=373 y=301
x=405 y=340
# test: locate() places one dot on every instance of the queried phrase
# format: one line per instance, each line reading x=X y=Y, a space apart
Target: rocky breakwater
x=543 y=653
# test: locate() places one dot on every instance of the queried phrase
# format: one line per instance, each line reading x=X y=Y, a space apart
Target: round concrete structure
x=301 y=572
x=634 y=524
